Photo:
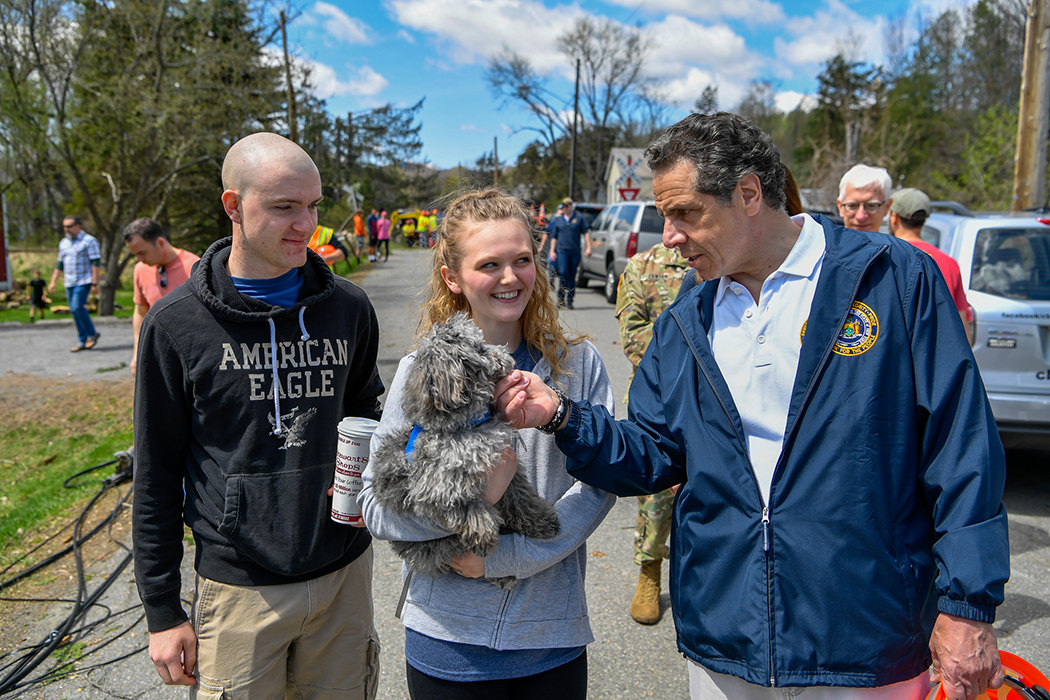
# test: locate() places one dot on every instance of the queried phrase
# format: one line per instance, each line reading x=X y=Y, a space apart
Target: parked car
x=1005 y=264
x=620 y=231
x=588 y=210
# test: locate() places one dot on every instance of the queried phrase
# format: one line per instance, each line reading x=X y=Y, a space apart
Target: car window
x=1012 y=263
x=588 y=214
x=931 y=236
x=599 y=221
x=652 y=222
x=625 y=217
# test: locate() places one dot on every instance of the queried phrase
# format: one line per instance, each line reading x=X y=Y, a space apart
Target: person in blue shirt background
x=565 y=233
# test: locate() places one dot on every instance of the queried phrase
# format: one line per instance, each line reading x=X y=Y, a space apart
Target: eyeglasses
x=163 y=277
x=870 y=207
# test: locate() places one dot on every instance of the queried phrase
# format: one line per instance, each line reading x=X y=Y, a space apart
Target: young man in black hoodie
x=244 y=373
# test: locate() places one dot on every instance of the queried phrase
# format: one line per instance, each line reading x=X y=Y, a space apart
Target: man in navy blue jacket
x=840 y=522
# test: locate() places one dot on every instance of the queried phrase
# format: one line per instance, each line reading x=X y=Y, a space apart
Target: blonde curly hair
x=539 y=323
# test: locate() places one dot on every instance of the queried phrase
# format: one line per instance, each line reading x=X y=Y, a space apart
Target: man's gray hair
x=865 y=177
x=724 y=148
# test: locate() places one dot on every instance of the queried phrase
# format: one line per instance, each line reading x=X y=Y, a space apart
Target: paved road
x=627 y=660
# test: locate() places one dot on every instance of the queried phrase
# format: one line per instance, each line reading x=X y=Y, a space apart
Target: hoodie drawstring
x=277 y=430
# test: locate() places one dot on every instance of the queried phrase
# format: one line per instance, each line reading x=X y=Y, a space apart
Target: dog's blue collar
x=417 y=430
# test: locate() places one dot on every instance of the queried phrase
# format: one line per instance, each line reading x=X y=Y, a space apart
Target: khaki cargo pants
x=310 y=640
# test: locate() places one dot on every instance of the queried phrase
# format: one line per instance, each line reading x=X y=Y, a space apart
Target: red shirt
x=147 y=278
x=950 y=270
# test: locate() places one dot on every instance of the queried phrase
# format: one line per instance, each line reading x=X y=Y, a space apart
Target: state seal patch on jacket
x=858 y=334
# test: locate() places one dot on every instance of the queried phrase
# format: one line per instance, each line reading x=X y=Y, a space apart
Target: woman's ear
x=450 y=280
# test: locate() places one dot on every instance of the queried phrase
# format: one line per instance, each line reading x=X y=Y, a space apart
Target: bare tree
x=613 y=92
x=707 y=103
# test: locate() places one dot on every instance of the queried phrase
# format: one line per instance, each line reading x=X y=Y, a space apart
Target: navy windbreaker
x=886 y=503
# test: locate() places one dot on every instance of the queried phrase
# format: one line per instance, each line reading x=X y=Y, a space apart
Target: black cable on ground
x=36 y=654
x=120 y=476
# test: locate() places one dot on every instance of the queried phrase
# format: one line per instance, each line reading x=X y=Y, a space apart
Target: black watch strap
x=559 y=414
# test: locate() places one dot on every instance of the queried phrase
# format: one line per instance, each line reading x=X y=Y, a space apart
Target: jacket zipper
x=499 y=619
x=766 y=525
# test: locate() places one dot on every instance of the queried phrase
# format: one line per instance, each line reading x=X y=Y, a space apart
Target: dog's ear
x=446 y=390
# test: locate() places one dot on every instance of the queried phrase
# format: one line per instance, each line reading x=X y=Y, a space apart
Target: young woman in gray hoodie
x=466 y=637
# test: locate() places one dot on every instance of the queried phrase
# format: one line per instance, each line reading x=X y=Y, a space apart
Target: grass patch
x=22 y=264
x=51 y=430
x=68 y=653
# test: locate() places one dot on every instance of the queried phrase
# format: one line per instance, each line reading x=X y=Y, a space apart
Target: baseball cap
x=910 y=203
x=567 y=201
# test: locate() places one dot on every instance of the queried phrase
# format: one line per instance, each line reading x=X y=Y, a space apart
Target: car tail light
x=632 y=244
x=1043 y=220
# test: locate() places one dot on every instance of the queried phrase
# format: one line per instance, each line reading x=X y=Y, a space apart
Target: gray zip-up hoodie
x=548 y=608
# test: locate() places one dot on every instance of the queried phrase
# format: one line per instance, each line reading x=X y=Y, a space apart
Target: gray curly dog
x=442 y=476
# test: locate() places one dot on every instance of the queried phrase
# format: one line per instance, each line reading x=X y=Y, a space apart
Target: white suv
x=620 y=231
x=1005 y=266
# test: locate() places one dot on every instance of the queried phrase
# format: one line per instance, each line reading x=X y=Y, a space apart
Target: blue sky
x=367 y=53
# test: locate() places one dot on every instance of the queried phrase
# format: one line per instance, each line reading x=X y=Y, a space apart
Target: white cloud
x=341 y=26
x=752 y=11
x=681 y=43
x=470 y=128
x=364 y=82
x=471 y=31
x=689 y=56
x=829 y=31
x=788 y=100
x=405 y=36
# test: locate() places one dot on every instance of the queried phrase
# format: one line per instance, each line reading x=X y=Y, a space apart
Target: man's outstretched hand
x=965 y=657
x=524 y=400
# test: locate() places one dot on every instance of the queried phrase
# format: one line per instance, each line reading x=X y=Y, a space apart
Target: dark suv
x=620 y=231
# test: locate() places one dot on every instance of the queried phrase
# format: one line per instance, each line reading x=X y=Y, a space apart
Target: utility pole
x=293 y=129
x=575 y=115
x=1034 y=117
x=495 y=161
x=349 y=141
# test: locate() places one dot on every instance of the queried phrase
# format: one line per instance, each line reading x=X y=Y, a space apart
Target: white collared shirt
x=757 y=345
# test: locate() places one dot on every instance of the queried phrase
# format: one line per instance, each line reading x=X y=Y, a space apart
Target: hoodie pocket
x=283 y=521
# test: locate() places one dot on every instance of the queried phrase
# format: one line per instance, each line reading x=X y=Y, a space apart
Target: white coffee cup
x=351 y=458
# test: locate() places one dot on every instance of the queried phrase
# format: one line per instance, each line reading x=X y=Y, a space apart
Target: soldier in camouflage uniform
x=648 y=286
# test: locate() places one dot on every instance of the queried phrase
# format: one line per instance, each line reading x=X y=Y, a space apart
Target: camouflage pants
x=654 y=525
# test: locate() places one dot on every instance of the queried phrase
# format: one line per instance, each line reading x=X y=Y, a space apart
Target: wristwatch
x=559 y=414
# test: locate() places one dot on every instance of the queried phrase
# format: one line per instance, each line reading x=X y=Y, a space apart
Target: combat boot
x=645 y=608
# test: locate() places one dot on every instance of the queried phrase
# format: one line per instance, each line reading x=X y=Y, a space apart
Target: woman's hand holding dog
x=500 y=475
x=468 y=565
x=524 y=400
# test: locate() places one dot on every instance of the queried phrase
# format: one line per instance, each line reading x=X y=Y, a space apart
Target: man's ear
x=450 y=280
x=751 y=193
x=231 y=202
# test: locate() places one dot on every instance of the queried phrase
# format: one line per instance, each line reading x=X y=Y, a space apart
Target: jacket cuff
x=572 y=426
x=164 y=612
x=960 y=608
